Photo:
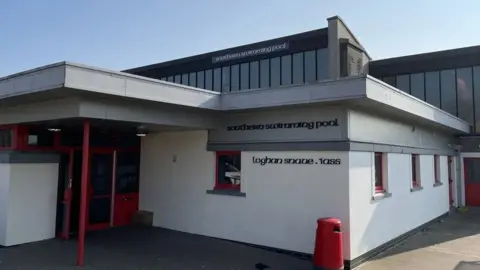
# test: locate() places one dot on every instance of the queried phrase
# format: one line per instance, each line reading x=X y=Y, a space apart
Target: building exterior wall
x=31 y=203
x=4 y=204
x=177 y=171
x=371 y=223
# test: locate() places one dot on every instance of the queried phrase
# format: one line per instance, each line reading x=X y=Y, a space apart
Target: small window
x=379 y=176
x=436 y=169
x=228 y=170
x=6 y=138
x=415 y=171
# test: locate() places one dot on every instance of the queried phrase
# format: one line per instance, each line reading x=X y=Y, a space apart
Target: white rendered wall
x=373 y=223
x=32 y=203
x=4 y=189
x=282 y=202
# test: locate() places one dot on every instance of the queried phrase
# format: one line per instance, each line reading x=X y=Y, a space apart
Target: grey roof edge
x=336 y=17
x=29 y=71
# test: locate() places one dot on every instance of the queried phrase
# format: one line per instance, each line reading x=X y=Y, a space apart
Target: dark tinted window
x=465 y=94
x=448 y=91
x=297 y=68
x=275 y=72
x=217 y=79
x=286 y=70
x=432 y=88
x=403 y=83
x=265 y=73
x=235 y=78
x=244 y=73
x=209 y=79
x=40 y=137
x=229 y=170
x=192 y=81
x=163 y=78
x=310 y=67
x=322 y=64
x=417 y=85
x=226 y=79
x=127 y=172
x=178 y=79
x=5 y=138
x=201 y=79
x=254 y=75
x=390 y=80
x=170 y=78
x=185 y=79
x=476 y=83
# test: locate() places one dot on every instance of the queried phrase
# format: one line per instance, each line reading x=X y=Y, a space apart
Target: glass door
x=100 y=190
x=126 y=187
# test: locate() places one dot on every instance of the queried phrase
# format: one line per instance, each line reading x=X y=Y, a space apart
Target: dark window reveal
x=228 y=170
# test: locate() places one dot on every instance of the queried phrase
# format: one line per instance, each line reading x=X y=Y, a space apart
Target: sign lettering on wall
x=303 y=161
x=265 y=50
x=297 y=125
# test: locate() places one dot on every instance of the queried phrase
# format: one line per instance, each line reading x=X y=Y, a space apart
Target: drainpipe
x=458 y=174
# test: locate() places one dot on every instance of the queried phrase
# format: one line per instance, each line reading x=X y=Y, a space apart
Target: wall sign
x=265 y=50
x=297 y=125
x=300 y=161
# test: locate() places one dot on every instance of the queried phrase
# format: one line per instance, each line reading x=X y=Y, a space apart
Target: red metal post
x=83 y=196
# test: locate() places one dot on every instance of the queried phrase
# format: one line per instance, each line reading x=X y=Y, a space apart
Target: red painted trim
x=217 y=184
x=380 y=188
x=84 y=190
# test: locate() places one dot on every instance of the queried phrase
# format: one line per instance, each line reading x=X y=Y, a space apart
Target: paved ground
x=453 y=244
x=145 y=248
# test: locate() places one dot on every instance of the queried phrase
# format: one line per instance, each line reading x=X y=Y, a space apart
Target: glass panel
x=185 y=79
x=99 y=210
x=310 y=67
x=40 y=137
x=5 y=138
x=378 y=170
x=476 y=83
x=178 y=79
x=101 y=174
x=254 y=73
x=127 y=172
x=209 y=79
x=417 y=85
x=244 y=73
x=297 y=68
x=390 y=80
x=472 y=166
x=403 y=83
x=170 y=78
x=226 y=79
x=265 y=73
x=217 y=79
x=322 y=64
x=432 y=88
x=286 y=70
x=193 y=79
x=275 y=72
x=163 y=78
x=201 y=79
x=465 y=94
x=235 y=78
x=229 y=170
x=448 y=91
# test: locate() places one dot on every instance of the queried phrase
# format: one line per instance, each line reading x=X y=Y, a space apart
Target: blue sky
x=120 y=34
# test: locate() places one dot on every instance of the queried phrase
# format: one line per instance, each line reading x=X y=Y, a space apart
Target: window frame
x=219 y=186
x=416 y=181
x=382 y=187
x=436 y=169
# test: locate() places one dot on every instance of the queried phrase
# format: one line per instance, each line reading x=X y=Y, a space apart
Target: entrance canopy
x=67 y=90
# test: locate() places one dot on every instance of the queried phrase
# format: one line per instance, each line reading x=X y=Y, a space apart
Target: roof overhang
x=104 y=94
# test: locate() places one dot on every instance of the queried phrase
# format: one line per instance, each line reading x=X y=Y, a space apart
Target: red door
x=471 y=168
x=126 y=187
x=100 y=189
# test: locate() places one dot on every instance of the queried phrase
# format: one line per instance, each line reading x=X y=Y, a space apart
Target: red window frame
x=436 y=169
x=219 y=185
x=415 y=182
x=379 y=188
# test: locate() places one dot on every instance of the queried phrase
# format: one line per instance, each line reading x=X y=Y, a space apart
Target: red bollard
x=328 y=253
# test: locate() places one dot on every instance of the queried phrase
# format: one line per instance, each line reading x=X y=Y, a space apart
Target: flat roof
x=68 y=80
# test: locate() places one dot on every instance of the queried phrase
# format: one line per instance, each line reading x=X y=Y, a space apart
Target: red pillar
x=83 y=196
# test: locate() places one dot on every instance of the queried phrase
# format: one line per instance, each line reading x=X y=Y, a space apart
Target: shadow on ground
x=456 y=226
x=146 y=248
